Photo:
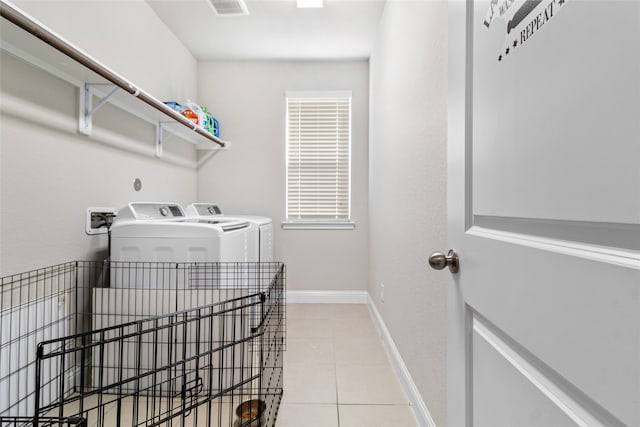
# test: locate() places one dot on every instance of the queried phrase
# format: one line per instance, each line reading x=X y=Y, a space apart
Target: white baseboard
x=362 y=297
x=327 y=297
x=419 y=408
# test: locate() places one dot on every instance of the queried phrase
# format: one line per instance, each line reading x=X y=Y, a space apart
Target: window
x=318 y=160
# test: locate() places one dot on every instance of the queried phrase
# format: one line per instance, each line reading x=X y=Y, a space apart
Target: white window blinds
x=318 y=156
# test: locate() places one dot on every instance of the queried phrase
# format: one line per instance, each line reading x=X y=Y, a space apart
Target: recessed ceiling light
x=229 y=7
x=309 y=3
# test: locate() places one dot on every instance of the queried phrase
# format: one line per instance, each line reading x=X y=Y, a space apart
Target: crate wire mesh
x=88 y=343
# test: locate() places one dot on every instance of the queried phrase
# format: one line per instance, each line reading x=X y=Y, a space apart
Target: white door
x=544 y=208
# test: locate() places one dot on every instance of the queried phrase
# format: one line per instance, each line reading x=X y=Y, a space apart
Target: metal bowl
x=250 y=413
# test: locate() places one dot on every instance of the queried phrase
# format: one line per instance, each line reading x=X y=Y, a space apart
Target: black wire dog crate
x=143 y=344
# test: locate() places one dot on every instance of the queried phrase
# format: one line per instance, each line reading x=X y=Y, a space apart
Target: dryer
x=260 y=243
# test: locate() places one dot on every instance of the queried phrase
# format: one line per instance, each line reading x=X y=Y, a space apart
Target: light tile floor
x=337 y=373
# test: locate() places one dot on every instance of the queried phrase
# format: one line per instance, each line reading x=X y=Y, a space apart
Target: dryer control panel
x=144 y=210
x=204 y=209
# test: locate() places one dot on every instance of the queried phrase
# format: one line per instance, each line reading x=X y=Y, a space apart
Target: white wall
x=125 y=35
x=249 y=100
x=407 y=177
x=49 y=173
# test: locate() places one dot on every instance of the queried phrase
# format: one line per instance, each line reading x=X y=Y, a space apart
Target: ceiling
x=274 y=29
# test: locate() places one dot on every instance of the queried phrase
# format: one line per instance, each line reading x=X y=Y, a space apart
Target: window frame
x=318 y=223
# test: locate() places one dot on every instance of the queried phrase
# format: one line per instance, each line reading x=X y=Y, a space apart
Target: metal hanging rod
x=16 y=16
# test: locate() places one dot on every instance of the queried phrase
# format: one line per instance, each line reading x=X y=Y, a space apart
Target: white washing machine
x=161 y=232
x=260 y=246
x=147 y=233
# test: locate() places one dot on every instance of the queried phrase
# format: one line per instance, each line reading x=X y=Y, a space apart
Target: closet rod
x=15 y=15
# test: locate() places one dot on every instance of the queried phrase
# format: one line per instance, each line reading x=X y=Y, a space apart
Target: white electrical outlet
x=381 y=292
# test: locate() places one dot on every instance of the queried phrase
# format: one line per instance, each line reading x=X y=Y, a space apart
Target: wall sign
x=521 y=22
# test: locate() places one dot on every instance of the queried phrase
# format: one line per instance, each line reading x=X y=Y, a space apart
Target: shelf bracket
x=87 y=110
x=171 y=128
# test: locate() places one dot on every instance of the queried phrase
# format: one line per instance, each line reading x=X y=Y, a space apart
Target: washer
x=260 y=244
x=161 y=232
x=146 y=233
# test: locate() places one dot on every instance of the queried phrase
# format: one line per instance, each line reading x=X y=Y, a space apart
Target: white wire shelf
x=32 y=42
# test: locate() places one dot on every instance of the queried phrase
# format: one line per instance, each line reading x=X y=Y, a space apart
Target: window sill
x=318 y=225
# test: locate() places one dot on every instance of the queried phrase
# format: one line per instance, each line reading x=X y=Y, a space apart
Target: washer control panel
x=145 y=210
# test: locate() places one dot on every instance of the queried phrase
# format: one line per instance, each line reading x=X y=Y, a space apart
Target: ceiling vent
x=229 y=7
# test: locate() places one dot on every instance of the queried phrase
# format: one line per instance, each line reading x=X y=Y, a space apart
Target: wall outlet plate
x=95 y=220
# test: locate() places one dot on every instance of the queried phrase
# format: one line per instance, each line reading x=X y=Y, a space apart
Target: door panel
x=527 y=404
x=558 y=107
x=578 y=316
x=544 y=212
